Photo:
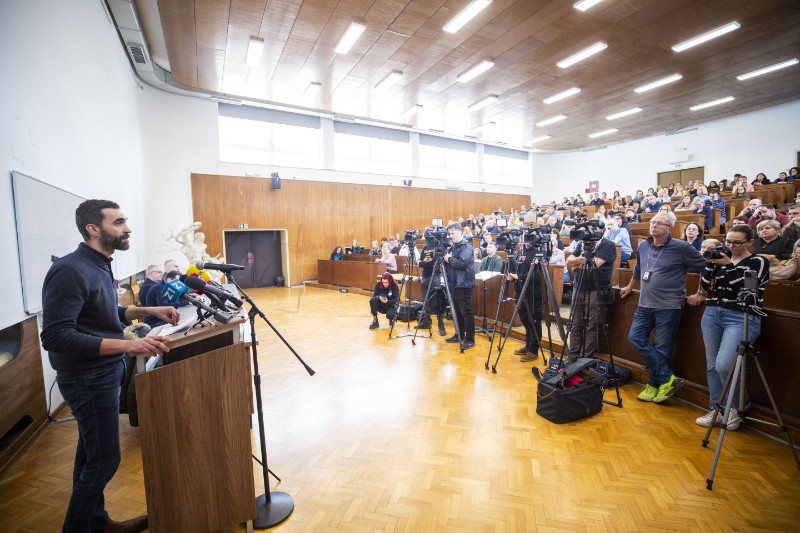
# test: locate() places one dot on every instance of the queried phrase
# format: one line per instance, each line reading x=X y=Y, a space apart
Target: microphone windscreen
x=194 y=271
x=173 y=290
x=195 y=283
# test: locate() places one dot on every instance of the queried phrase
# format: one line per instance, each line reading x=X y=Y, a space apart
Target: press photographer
x=461 y=278
x=722 y=281
x=435 y=246
x=593 y=258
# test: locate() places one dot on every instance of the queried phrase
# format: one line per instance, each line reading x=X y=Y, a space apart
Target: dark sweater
x=147 y=284
x=80 y=309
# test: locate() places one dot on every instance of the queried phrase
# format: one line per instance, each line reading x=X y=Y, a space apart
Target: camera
x=589 y=231
x=508 y=239
x=540 y=235
x=716 y=253
x=436 y=237
x=411 y=236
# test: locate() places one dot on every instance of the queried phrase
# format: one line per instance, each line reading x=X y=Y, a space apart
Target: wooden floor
x=389 y=436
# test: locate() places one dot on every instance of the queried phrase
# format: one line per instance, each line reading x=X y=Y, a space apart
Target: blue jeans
x=722 y=333
x=664 y=323
x=93 y=397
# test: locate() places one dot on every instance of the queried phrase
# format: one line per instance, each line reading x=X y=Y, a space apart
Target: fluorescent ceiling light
x=551 y=120
x=561 y=95
x=312 y=89
x=349 y=38
x=624 y=113
x=700 y=39
x=583 y=5
x=767 y=70
x=539 y=139
x=411 y=111
x=485 y=127
x=254 y=49
x=604 y=132
x=393 y=77
x=467 y=14
x=583 y=54
x=475 y=71
x=483 y=102
x=658 y=83
x=712 y=103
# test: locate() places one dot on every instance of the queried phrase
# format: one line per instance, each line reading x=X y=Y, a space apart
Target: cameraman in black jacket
x=436 y=296
x=530 y=312
x=461 y=279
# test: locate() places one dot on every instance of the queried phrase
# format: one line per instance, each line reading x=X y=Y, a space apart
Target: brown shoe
x=521 y=351
x=134 y=525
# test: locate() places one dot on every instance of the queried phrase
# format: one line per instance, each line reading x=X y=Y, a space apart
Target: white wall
x=763 y=141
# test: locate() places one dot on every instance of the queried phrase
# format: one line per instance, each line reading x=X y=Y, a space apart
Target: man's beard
x=117 y=243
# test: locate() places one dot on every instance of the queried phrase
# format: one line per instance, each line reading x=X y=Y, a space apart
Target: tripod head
x=747 y=298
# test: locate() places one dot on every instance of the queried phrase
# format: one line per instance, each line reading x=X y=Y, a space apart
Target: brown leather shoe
x=134 y=525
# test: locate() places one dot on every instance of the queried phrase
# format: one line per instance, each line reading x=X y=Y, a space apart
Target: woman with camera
x=722 y=324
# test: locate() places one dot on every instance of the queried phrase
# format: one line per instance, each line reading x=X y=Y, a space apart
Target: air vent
x=136 y=51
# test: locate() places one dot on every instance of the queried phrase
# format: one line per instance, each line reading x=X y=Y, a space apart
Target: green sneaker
x=648 y=393
x=668 y=389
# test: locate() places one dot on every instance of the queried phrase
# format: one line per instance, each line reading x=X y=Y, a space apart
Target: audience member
x=337 y=254
x=619 y=235
x=761 y=179
x=766 y=212
x=375 y=249
x=152 y=277
x=719 y=203
x=769 y=244
x=387 y=258
x=788 y=268
x=354 y=248
x=704 y=208
x=384 y=299
x=685 y=204
x=492 y=262
x=740 y=193
x=693 y=235
x=791 y=230
x=660 y=271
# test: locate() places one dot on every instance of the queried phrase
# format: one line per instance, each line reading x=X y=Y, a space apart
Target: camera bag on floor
x=407 y=313
x=574 y=393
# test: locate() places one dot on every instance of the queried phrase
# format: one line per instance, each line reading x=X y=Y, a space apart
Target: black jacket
x=392 y=293
x=460 y=269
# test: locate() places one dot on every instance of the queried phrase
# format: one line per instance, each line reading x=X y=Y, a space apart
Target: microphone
x=175 y=291
x=217 y=266
x=198 y=284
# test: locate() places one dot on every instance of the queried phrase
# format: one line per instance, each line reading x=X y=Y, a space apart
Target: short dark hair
x=744 y=229
x=91 y=212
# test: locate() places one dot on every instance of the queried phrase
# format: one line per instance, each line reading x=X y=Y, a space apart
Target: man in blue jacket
x=82 y=331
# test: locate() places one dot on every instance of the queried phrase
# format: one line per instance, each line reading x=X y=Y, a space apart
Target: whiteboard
x=45 y=220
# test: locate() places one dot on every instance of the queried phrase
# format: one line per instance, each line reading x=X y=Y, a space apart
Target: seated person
x=766 y=212
x=152 y=277
x=485 y=241
x=632 y=217
x=708 y=244
x=685 y=204
x=619 y=236
x=788 y=268
x=156 y=299
x=719 y=203
x=354 y=248
x=703 y=208
x=375 y=249
x=693 y=235
x=337 y=254
x=740 y=193
x=492 y=261
x=405 y=251
x=387 y=257
x=652 y=205
x=384 y=299
x=791 y=230
x=768 y=244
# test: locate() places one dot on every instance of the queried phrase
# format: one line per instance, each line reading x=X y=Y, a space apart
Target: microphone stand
x=272 y=507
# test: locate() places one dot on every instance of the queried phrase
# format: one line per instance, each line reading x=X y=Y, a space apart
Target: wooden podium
x=194 y=415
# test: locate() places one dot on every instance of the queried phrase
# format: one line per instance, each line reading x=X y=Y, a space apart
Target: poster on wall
x=594 y=186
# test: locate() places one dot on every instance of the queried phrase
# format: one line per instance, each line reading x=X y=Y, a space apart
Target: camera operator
x=530 y=313
x=722 y=279
x=461 y=279
x=436 y=297
x=584 y=334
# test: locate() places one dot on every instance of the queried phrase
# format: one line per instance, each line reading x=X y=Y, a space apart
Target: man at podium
x=82 y=331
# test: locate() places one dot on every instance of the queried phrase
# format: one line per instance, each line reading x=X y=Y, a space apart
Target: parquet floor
x=392 y=437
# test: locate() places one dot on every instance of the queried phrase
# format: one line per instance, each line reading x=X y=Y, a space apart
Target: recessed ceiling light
x=475 y=71
x=700 y=39
x=411 y=111
x=483 y=102
x=624 y=113
x=467 y=14
x=583 y=5
x=767 y=70
x=349 y=38
x=712 y=103
x=539 y=139
x=583 y=54
x=561 y=95
x=393 y=77
x=658 y=83
x=312 y=89
x=551 y=120
x=254 y=49
x=484 y=127
x=604 y=132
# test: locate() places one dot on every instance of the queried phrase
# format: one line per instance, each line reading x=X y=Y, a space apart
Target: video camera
x=437 y=237
x=589 y=231
x=411 y=236
x=540 y=235
x=508 y=239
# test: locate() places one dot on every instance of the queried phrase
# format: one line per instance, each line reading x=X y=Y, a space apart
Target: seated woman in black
x=768 y=244
x=337 y=254
x=384 y=299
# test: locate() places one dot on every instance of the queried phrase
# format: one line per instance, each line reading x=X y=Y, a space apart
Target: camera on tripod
x=437 y=235
x=508 y=239
x=540 y=235
x=411 y=236
x=717 y=252
x=590 y=231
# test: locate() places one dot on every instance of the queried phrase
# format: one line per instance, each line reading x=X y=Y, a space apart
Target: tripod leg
x=731 y=379
x=500 y=305
x=520 y=303
x=778 y=417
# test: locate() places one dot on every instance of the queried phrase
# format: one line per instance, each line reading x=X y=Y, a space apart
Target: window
x=503 y=166
x=448 y=159
x=370 y=149
x=268 y=137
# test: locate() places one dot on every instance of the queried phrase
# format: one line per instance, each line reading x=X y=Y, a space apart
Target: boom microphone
x=199 y=284
x=175 y=291
x=217 y=266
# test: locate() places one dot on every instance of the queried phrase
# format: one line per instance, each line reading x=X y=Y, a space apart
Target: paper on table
x=171 y=330
x=487 y=274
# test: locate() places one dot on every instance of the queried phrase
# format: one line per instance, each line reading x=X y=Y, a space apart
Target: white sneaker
x=706 y=419
x=734 y=420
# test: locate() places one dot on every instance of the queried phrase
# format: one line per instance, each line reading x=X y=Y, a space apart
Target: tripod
x=739 y=372
x=583 y=289
x=438 y=270
x=272 y=507
x=408 y=272
x=537 y=269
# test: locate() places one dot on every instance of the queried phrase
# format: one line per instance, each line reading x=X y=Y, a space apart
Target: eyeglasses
x=657 y=223
x=734 y=243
